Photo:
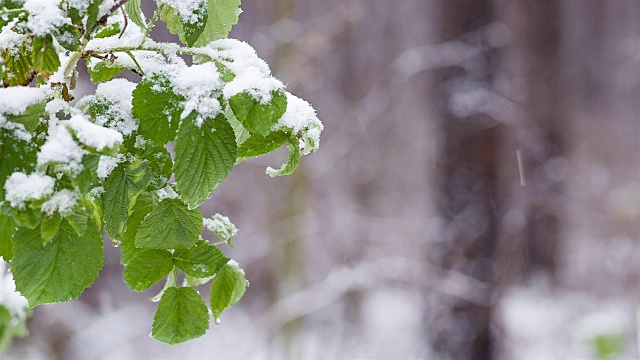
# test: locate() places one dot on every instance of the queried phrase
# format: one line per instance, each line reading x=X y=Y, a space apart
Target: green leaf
x=113 y=29
x=30 y=118
x=69 y=37
x=45 y=57
x=60 y=270
x=122 y=187
x=292 y=162
x=227 y=289
x=193 y=281
x=146 y=268
x=182 y=315
x=193 y=30
x=223 y=14
x=257 y=145
x=188 y=32
x=204 y=157
x=78 y=221
x=49 y=227
x=7 y=229
x=16 y=155
x=171 y=225
x=156 y=106
x=103 y=71
x=258 y=118
x=92 y=16
x=200 y=261
x=28 y=217
x=144 y=204
x=241 y=133
x=134 y=11
x=18 y=69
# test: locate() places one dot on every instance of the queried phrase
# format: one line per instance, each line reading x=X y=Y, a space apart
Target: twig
x=104 y=18
x=126 y=22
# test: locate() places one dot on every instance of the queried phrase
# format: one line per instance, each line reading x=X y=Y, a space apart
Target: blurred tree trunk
x=530 y=226
x=468 y=170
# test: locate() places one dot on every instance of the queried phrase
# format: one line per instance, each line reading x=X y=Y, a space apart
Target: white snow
x=60 y=148
x=166 y=193
x=300 y=118
x=21 y=187
x=221 y=226
x=44 y=16
x=9 y=297
x=252 y=74
x=62 y=201
x=93 y=135
x=15 y=100
x=187 y=10
x=132 y=37
x=10 y=39
x=106 y=165
x=116 y=95
x=198 y=85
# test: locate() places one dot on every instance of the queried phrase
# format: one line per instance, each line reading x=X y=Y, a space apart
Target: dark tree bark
x=468 y=170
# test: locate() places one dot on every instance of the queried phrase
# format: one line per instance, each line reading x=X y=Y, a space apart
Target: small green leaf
x=134 y=11
x=45 y=57
x=258 y=118
x=204 y=157
x=49 y=227
x=182 y=315
x=60 y=270
x=223 y=14
x=156 y=106
x=193 y=30
x=227 y=289
x=257 y=145
x=292 y=162
x=122 y=187
x=146 y=268
x=200 y=261
x=103 y=71
x=171 y=225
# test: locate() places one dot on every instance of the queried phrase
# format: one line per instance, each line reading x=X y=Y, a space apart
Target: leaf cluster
x=74 y=169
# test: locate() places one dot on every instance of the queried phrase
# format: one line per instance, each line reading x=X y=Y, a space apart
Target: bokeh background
x=476 y=194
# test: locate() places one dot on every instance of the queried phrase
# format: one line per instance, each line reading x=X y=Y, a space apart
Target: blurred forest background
x=476 y=194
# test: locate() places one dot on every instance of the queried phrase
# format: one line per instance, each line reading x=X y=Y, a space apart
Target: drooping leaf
x=227 y=289
x=295 y=155
x=156 y=107
x=170 y=225
x=122 y=187
x=60 y=270
x=256 y=117
x=146 y=268
x=200 y=261
x=182 y=315
x=205 y=156
x=257 y=145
